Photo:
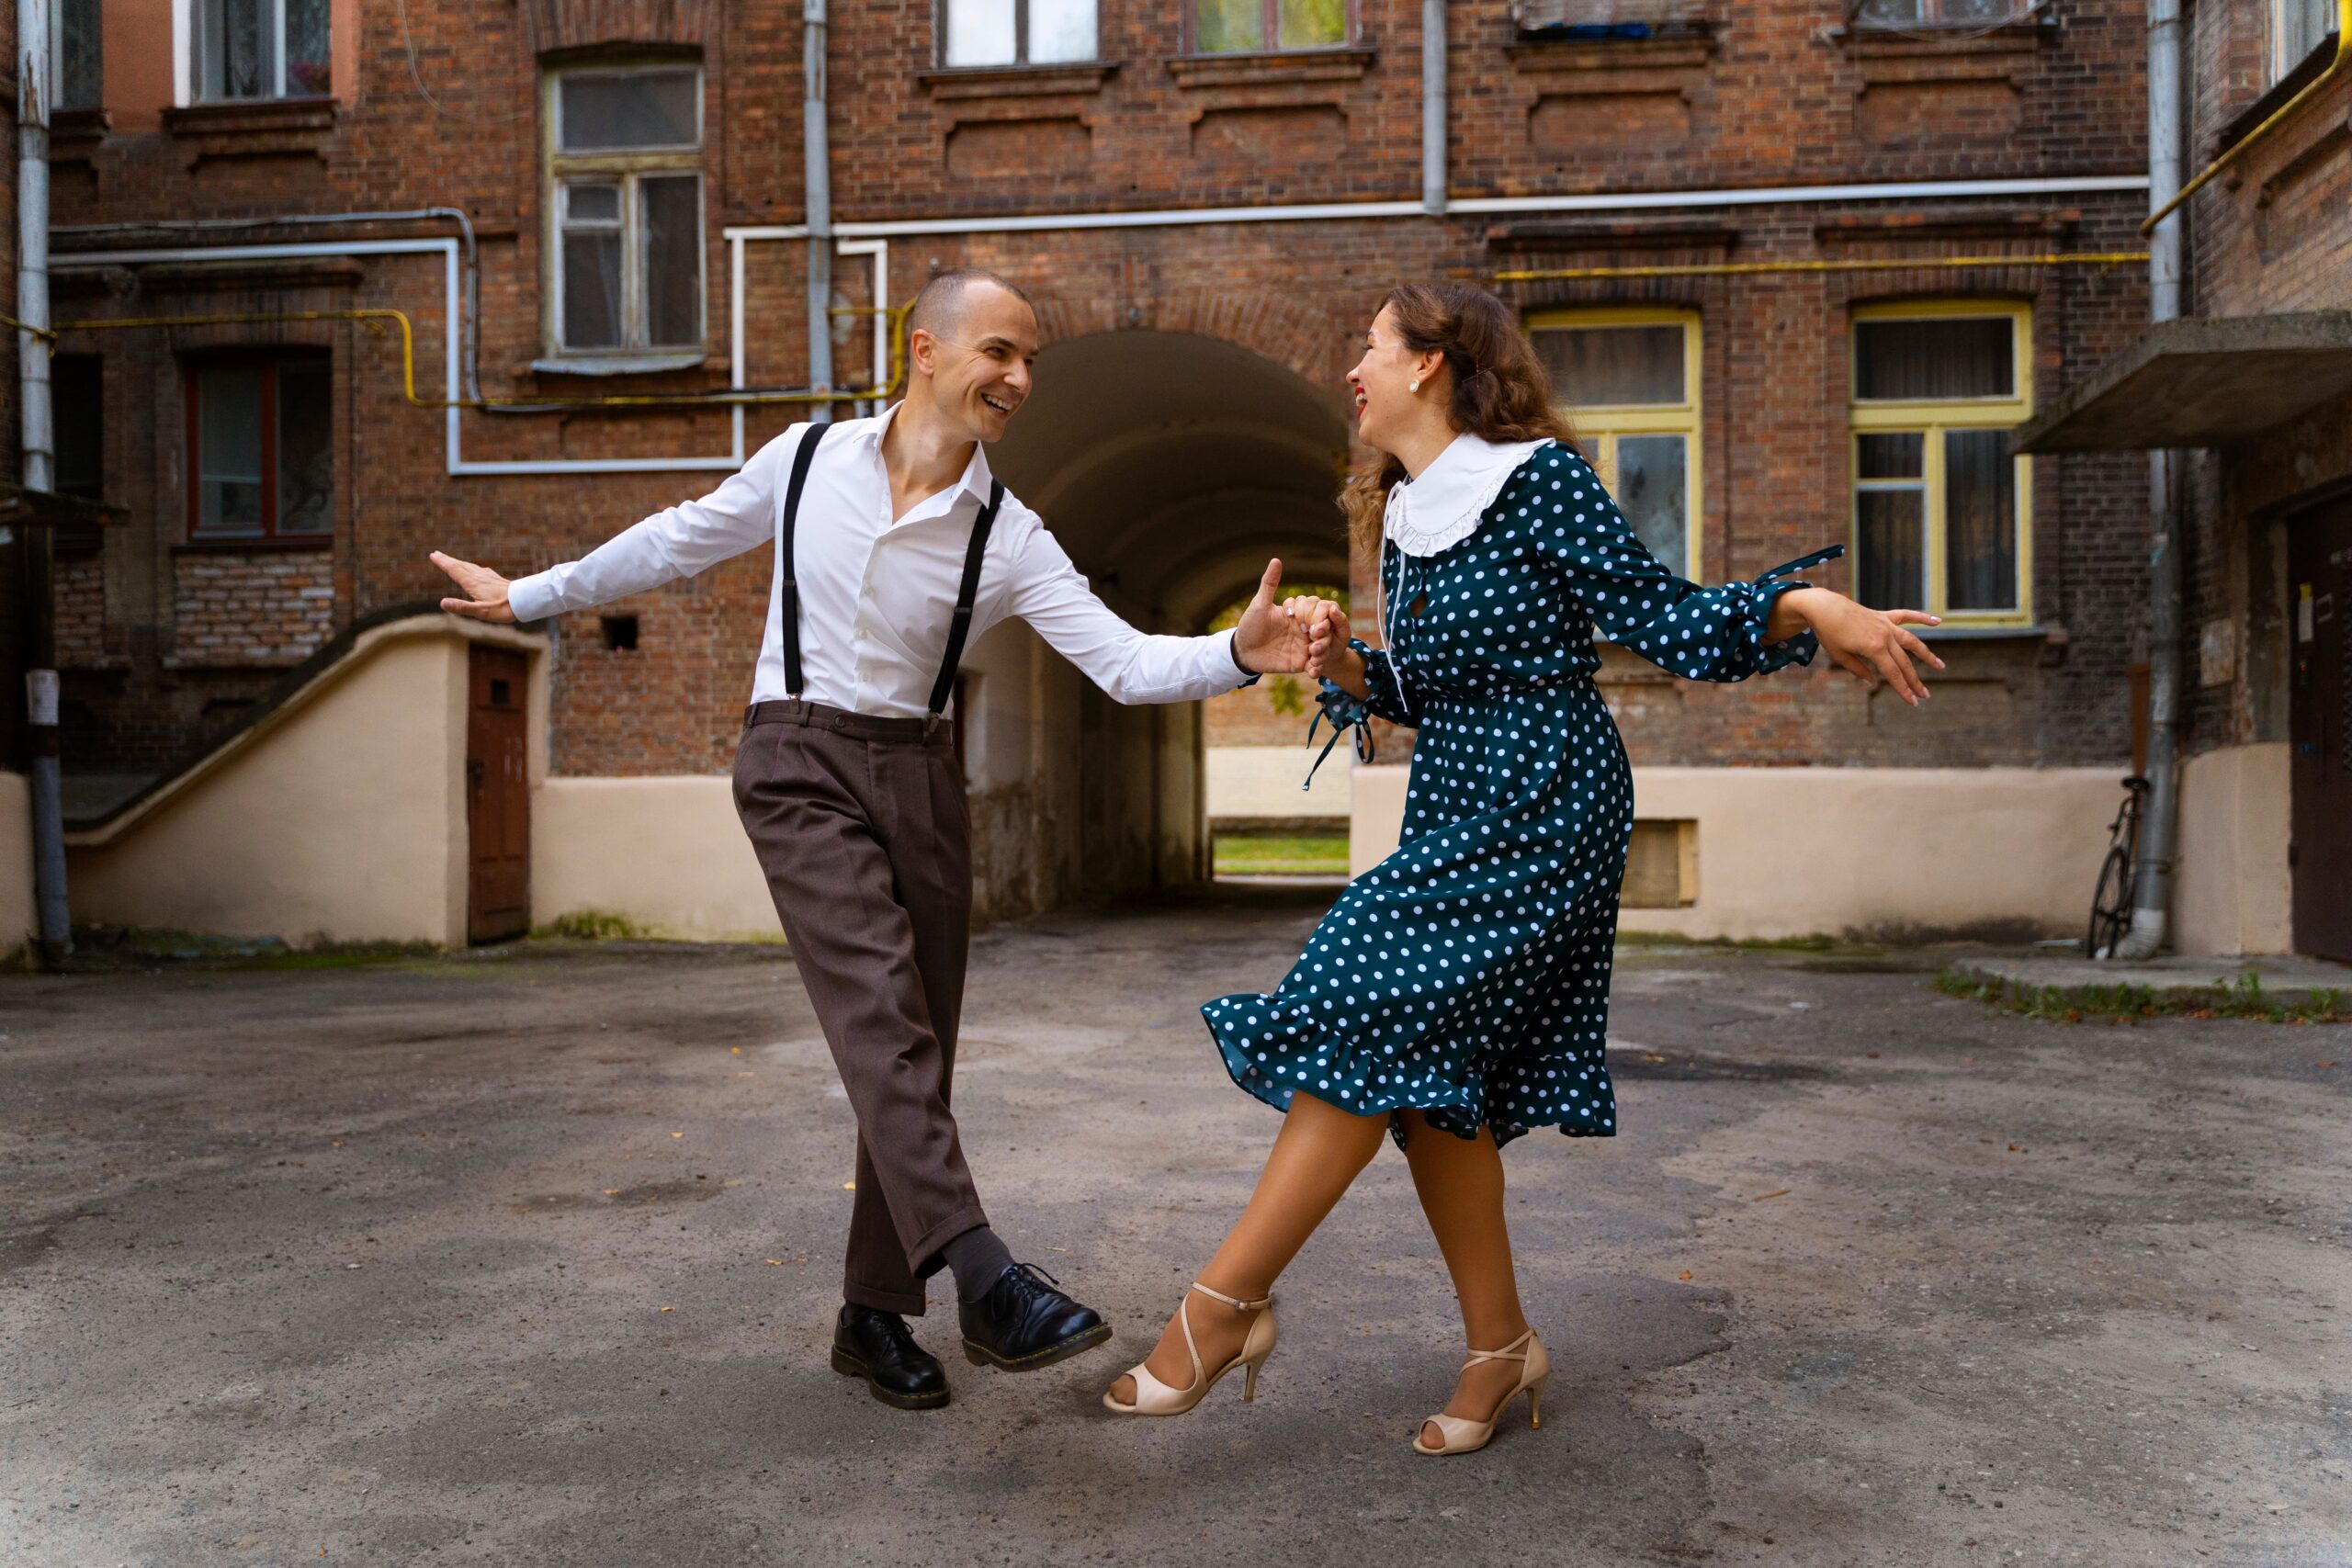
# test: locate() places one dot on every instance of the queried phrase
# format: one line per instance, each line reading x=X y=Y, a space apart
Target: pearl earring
x=1413 y=386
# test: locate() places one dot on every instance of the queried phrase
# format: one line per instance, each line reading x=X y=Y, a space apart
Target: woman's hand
x=1871 y=645
x=1329 y=656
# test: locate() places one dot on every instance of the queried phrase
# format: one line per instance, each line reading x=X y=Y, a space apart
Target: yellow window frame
x=1931 y=419
x=1599 y=429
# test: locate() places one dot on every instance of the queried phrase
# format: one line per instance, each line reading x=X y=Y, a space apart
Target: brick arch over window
x=580 y=24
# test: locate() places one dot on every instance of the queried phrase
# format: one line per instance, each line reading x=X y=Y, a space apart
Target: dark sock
x=977 y=1257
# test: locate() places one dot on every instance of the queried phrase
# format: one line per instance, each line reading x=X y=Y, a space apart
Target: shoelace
x=901 y=1337
x=1029 y=1281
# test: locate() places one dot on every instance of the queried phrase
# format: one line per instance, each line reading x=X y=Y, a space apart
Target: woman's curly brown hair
x=1500 y=391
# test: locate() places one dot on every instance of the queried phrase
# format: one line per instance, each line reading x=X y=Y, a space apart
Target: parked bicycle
x=2119 y=878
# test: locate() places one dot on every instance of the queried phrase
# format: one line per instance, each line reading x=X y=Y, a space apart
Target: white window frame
x=1932 y=418
x=1020 y=61
x=1599 y=428
x=2284 y=54
x=187 y=89
x=625 y=169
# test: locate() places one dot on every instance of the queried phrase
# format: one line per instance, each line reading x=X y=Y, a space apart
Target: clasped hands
x=1289 y=637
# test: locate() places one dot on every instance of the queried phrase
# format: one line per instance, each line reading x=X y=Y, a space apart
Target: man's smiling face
x=980 y=359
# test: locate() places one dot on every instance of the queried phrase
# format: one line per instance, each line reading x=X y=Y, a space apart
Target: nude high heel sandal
x=1463 y=1436
x=1156 y=1398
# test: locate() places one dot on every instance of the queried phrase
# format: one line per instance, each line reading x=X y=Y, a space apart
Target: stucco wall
x=2233 y=893
x=1262 y=780
x=1888 y=851
x=340 y=816
x=18 y=918
x=669 y=853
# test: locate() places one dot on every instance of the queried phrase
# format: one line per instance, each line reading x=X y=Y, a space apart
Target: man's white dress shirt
x=876 y=595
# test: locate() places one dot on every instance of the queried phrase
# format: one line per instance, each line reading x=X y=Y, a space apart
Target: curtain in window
x=1932 y=360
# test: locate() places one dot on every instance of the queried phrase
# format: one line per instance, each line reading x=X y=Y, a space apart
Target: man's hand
x=484 y=590
x=1870 y=645
x=1271 y=639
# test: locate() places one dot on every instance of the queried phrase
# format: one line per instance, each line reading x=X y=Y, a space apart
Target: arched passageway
x=1170 y=466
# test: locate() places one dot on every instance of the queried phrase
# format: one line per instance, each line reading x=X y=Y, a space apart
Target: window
x=1244 y=26
x=2297 y=28
x=258 y=48
x=624 y=210
x=1901 y=14
x=1940 y=508
x=261 y=449
x=80 y=82
x=77 y=396
x=1015 y=32
x=1628 y=381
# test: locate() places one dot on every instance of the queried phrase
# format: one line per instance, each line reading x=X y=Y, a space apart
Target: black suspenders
x=789 y=589
x=958 y=628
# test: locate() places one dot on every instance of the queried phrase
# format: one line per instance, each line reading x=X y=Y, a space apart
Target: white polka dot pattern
x=1468 y=974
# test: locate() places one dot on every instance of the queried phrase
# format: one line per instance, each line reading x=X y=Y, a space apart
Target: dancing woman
x=1457 y=994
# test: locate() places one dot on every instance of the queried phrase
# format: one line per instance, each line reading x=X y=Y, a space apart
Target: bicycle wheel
x=2111 y=906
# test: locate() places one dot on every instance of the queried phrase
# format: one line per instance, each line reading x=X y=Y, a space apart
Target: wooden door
x=2319 y=585
x=498 y=797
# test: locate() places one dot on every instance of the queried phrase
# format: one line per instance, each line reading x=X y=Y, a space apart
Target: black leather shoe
x=1024 y=1323
x=881 y=1348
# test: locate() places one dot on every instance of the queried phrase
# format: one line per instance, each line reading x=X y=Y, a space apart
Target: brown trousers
x=862 y=830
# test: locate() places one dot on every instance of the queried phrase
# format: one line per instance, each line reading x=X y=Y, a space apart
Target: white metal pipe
x=455 y=462
x=2159 y=829
x=817 y=180
x=1433 y=106
x=53 y=916
x=1341 y=211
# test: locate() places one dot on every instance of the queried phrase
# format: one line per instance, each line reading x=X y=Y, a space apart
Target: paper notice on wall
x=2304 y=631
x=40 y=697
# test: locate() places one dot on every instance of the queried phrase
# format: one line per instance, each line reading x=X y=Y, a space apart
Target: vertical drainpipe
x=817 y=178
x=33 y=57
x=1433 y=106
x=2151 y=899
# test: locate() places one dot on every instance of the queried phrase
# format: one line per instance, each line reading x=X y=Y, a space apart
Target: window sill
x=621 y=364
x=1964 y=632
x=1345 y=62
x=1531 y=55
x=252 y=128
x=1884 y=43
x=267 y=545
x=2305 y=72
x=75 y=134
x=1016 y=80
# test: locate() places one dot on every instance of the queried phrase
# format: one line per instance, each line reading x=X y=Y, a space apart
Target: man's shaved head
x=939 y=309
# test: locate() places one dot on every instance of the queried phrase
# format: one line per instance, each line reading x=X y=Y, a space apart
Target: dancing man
x=894 y=545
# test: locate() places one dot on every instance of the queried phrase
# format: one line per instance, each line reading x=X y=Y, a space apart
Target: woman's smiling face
x=1382 y=382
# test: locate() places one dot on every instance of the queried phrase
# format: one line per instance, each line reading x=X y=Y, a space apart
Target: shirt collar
x=977 y=477
x=1445 y=506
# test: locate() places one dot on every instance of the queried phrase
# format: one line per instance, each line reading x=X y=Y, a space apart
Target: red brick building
x=2252 y=390
x=1800 y=264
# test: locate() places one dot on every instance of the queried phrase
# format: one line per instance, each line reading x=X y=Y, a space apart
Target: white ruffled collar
x=1441 y=508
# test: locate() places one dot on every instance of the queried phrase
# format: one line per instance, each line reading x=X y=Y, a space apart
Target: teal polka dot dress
x=1466 y=976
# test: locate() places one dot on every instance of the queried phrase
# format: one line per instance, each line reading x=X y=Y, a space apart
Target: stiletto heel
x=1250 y=1383
x=1156 y=1398
x=1459 y=1434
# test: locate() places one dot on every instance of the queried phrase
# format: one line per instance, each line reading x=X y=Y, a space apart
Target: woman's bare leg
x=1318 y=1153
x=1460 y=1181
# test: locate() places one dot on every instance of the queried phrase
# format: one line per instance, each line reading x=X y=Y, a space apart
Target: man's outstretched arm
x=1137 y=667
x=679 y=542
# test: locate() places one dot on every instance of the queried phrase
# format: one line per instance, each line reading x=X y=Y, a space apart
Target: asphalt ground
x=530 y=1255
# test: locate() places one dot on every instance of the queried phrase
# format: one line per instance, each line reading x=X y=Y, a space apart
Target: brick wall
x=2273 y=235
x=1777 y=97
x=276 y=608
x=78 y=599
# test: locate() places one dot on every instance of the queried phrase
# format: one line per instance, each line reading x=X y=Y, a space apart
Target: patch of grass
x=101 y=948
x=591 y=925
x=1281 y=857
x=2243 y=998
